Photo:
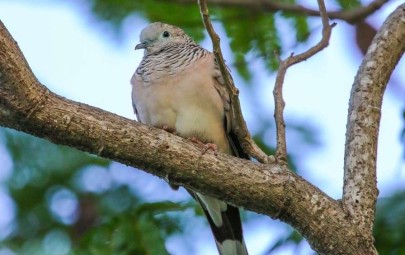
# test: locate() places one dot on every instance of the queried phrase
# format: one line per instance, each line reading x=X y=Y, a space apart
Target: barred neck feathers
x=170 y=60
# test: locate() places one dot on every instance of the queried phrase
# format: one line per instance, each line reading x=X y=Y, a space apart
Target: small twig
x=240 y=128
x=281 y=151
x=350 y=16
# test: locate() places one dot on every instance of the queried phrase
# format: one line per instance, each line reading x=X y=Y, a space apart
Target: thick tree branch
x=350 y=16
x=281 y=151
x=28 y=106
x=360 y=183
x=240 y=128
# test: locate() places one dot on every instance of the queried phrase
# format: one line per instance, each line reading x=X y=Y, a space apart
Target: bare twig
x=281 y=151
x=350 y=16
x=240 y=127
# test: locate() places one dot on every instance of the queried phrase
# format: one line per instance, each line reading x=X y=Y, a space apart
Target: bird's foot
x=206 y=146
x=210 y=146
x=170 y=130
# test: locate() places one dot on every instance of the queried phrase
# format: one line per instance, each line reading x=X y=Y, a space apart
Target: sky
x=81 y=61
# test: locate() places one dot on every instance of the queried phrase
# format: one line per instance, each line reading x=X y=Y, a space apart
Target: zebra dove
x=178 y=86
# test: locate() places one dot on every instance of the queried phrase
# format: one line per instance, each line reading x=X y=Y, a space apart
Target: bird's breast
x=186 y=102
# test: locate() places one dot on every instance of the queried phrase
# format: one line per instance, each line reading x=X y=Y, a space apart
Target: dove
x=178 y=86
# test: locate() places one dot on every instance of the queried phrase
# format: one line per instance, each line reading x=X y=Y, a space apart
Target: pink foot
x=170 y=130
x=210 y=146
x=206 y=146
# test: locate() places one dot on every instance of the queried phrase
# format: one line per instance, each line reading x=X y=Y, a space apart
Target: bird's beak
x=142 y=45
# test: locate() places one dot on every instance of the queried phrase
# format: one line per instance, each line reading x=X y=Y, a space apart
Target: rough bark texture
x=360 y=180
x=28 y=106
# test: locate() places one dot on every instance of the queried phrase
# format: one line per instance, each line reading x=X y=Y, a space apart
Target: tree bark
x=27 y=105
x=363 y=121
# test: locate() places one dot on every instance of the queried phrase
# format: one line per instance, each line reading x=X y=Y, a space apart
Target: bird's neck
x=171 y=59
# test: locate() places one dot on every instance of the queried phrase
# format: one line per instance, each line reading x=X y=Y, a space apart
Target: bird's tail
x=225 y=223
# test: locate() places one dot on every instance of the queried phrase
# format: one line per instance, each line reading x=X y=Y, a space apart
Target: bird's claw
x=206 y=146
x=210 y=146
x=170 y=130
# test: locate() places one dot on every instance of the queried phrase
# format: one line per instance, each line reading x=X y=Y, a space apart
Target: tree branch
x=240 y=128
x=28 y=106
x=281 y=151
x=360 y=183
x=350 y=16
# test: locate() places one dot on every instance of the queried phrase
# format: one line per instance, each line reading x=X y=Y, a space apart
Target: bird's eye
x=166 y=34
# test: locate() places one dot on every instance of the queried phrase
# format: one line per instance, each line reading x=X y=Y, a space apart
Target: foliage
x=348 y=4
x=57 y=207
x=390 y=224
x=260 y=40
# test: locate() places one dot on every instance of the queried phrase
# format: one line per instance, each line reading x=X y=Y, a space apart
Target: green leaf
x=349 y=4
x=160 y=207
x=242 y=67
x=390 y=224
x=299 y=25
x=116 y=11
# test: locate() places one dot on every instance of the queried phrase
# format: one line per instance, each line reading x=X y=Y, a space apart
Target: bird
x=178 y=86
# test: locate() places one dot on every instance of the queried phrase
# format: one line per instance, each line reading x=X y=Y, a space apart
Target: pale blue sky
x=78 y=60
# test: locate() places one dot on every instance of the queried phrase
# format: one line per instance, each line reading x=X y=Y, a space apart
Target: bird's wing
x=224 y=219
x=133 y=83
x=219 y=83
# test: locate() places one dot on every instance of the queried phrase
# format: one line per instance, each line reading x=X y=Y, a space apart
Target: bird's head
x=157 y=36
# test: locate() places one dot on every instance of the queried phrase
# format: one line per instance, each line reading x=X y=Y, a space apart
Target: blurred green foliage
x=389 y=226
x=250 y=30
x=56 y=208
x=348 y=4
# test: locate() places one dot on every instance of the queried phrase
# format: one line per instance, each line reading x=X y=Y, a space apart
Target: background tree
x=104 y=205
